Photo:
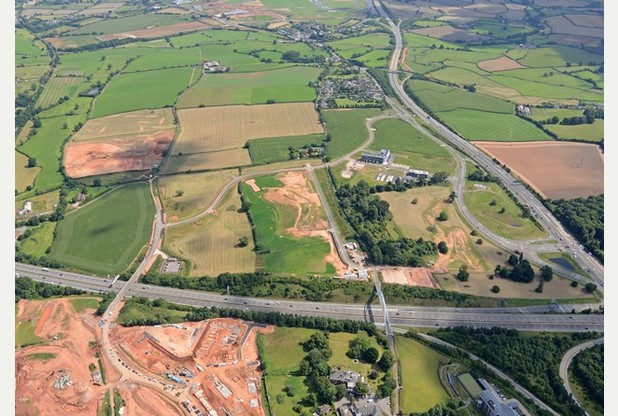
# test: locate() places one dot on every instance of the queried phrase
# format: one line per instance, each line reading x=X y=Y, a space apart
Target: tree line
x=587 y=368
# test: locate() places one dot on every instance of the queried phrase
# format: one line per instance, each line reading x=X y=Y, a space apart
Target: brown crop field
x=184 y=196
x=120 y=143
x=588 y=20
x=229 y=127
x=207 y=161
x=210 y=243
x=555 y=169
x=24 y=176
x=499 y=64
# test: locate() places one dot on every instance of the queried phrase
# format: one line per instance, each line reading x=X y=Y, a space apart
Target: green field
x=165 y=58
x=280 y=85
x=128 y=92
x=45 y=148
x=421 y=388
x=411 y=147
x=276 y=149
x=283 y=349
x=126 y=24
x=58 y=87
x=82 y=303
x=105 y=236
x=24 y=176
x=373 y=50
x=302 y=256
x=347 y=130
x=509 y=224
x=24 y=332
x=41 y=239
x=559 y=56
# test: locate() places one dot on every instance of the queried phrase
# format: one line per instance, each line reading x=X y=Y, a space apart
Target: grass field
x=125 y=24
x=302 y=256
x=210 y=243
x=45 y=148
x=347 y=130
x=411 y=147
x=419 y=371
x=280 y=85
x=160 y=58
x=24 y=331
x=128 y=92
x=276 y=149
x=229 y=127
x=41 y=238
x=40 y=203
x=105 y=236
x=58 y=87
x=207 y=161
x=24 y=176
x=80 y=304
x=197 y=192
x=509 y=224
x=558 y=56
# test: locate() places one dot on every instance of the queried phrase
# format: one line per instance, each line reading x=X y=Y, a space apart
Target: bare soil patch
x=410 y=276
x=67 y=336
x=253 y=185
x=554 y=169
x=224 y=349
x=499 y=64
x=157 y=31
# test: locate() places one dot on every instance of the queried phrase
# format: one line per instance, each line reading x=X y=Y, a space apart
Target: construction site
x=211 y=367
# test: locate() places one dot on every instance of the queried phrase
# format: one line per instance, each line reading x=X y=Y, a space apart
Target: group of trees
x=480 y=176
x=520 y=271
x=584 y=218
x=26 y=288
x=532 y=360
x=369 y=216
x=587 y=369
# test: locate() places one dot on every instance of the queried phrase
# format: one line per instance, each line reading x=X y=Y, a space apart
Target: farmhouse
x=382 y=158
x=213 y=67
x=26 y=210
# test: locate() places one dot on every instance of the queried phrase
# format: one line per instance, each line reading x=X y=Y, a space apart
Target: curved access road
x=568 y=358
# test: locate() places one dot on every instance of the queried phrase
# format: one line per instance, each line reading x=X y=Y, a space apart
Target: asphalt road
x=546 y=219
x=568 y=358
x=536 y=318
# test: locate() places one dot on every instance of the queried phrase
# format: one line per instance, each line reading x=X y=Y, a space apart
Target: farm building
x=381 y=158
x=26 y=210
x=415 y=173
x=213 y=66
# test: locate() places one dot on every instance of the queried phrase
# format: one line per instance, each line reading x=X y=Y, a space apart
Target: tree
x=290 y=56
x=96 y=183
x=317 y=341
x=513 y=260
x=443 y=216
x=442 y=247
x=414 y=201
x=341 y=391
x=495 y=289
x=547 y=273
x=245 y=206
x=493 y=203
x=371 y=355
x=574 y=283
x=361 y=389
x=474 y=233
x=243 y=242
x=386 y=361
x=324 y=389
x=357 y=347
x=502 y=210
x=31 y=162
x=463 y=273
x=590 y=287
x=179 y=192
x=539 y=288
x=479 y=241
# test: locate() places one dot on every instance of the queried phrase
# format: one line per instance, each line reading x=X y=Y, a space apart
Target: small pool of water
x=562 y=262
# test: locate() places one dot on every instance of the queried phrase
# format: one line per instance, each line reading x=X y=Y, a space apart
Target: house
x=381 y=158
x=349 y=378
x=360 y=408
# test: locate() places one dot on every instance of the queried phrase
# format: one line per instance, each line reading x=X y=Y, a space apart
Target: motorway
x=542 y=214
x=534 y=318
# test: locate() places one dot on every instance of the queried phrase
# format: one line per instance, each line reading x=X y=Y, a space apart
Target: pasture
x=24 y=176
x=45 y=146
x=485 y=202
x=592 y=132
x=559 y=55
x=347 y=130
x=160 y=58
x=207 y=161
x=211 y=243
x=230 y=127
x=184 y=196
x=41 y=238
x=411 y=147
x=421 y=388
x=58 y=87
x=134 y=91
x=280 y=85
x=276 y=149
x=130 y=23
x=105 y=236
x=554 y=169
